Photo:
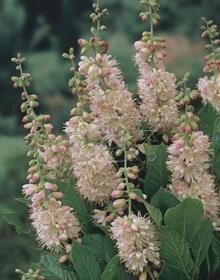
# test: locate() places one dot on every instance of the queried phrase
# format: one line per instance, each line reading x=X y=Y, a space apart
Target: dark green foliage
x=185 y=240
x=157 y=174
x=52 y=270
x=73 y=199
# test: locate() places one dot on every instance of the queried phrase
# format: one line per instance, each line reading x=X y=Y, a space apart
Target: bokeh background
x=44 y=29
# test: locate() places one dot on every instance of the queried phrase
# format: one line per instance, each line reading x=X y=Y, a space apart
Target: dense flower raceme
x=137 y=242
x=115 y=114
x=157 y=91
x=92 y=163
x=156 y=88
x=189 y=163
x=210 y=90
x=55 y=224
x=110 y=101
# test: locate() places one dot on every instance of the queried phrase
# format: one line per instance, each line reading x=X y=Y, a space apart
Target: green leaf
x=85 y=263
x=154 y=213
x=157 y=174
x=201 y=242
x=12 y=219
x=175 y=252
x=207 y=119
x=164 y=200
x=170 y=273
x=23 y=200
x=214 y=255
x=115 y=271
x=101 y=246
x=73 y=199
x=53 y=270
x=185 y=218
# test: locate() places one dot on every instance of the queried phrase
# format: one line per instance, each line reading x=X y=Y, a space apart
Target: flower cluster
x=92 y=163
x=111 y=108
x=157 y=91
x=156 y=86
x=137 y=242
x=210 y=90
x=55 y=223
x=188 y=161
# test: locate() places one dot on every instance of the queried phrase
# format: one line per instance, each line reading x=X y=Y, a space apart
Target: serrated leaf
x=185 y=218
x=157 y=174
x=164 y=200
x=201 y=242
x=115 y=271
x=207 y=119
x=73 y=199
x=85 y=263
x=154 y=213
x=12 y=219
x=53 y=270
x=102 y=247
x=175 y=252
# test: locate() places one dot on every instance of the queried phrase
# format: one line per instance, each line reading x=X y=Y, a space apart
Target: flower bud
x=119 y=204
x=117 y=193
x=63 y=259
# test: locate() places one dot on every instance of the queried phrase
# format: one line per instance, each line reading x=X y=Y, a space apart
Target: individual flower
x=101 y=70
x=210 y=90
x=115 y=113
x=157 y=91
x=95 y=172
x=55 y=224
x=137 y=242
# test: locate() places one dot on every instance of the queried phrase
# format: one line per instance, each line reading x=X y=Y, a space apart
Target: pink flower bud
x=58 y=195
x=63 y=259
x=119 y=204
x=50 y=186
x=117 y=193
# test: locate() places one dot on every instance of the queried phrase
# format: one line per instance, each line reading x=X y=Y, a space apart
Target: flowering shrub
x=131 y=190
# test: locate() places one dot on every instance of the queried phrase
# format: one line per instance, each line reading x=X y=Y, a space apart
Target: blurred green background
x=44 y=29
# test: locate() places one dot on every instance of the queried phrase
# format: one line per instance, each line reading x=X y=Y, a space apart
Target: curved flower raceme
x=137 y=242
x=188 y=161
x=92 y=164
x=115 y=114
x=210 y=90
x=55 y=224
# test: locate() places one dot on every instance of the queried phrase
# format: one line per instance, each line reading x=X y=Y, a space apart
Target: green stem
x=127 y=182
x=150 y=273
x=151 y=22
